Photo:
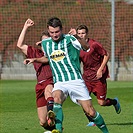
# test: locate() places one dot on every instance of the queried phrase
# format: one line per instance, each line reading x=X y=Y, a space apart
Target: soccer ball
x=47 y=132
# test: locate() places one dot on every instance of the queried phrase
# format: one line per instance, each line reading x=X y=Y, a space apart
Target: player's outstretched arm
x=38 y=60
x=20 y=43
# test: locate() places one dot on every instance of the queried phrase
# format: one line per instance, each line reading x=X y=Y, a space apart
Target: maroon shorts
x=98 y=88
x=40 y=88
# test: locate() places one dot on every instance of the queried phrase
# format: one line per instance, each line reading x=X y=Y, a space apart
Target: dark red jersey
x=43 y=71
x=92 y=59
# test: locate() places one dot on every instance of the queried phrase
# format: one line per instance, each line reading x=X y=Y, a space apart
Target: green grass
x=18 y=110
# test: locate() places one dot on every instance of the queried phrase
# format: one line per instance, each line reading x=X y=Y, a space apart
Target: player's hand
x=28 y=23
x=38 y=43
x=99 y=74
x=28 y=61
x=72 y=31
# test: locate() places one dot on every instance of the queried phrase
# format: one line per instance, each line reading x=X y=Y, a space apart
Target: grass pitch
x=18 y=110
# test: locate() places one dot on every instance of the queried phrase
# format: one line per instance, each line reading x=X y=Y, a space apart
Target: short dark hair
x=46 y=33
x=54 y=22
x=80 y=27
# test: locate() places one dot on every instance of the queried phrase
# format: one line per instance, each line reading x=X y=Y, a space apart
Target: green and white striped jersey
x=63 y=57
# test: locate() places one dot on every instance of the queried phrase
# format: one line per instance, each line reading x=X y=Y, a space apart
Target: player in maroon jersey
x=44 y=86
x=95 y=69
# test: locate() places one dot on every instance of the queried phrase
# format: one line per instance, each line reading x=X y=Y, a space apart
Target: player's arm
x=20 y=43
x=83 y=42
x=105 y=61
x=103 y=64
x=38 y=60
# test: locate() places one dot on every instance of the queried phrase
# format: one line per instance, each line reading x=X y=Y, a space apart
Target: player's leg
x=110 y=102
x=42 y=105
x=59 y=98
x=100 y=90
x=48 y=96
x=58 y=101
x=42 y=115
x=91 y=122
x=50 y=104
x=80 y=93
x=96 y=117
x=90 y=89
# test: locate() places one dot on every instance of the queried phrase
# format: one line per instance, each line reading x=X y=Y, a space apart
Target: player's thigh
x=100 y=90
x=42 y=114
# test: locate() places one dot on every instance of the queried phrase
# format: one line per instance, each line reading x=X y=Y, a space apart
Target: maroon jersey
x=92 y=60
x=43 y=71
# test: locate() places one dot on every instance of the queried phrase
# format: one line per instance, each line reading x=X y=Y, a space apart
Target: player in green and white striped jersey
x=63 y=57
x=62 y=52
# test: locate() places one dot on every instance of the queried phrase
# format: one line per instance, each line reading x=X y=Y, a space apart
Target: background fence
x=96 y=14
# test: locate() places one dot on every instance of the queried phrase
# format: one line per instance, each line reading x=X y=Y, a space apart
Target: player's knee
x=57 y=100
x=91 y=112
x=57 y=95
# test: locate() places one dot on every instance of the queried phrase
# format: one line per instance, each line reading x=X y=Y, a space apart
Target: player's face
x=55 y=33
x=82 y=33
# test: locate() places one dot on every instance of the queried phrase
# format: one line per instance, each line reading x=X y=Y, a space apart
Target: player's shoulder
x=70 y=37
x=91 y=41
x=94 y=42
x=66 y=35
x=31 y=48
x=47 y=39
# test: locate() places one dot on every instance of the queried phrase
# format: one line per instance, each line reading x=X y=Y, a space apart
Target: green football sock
x=59 y=116
x=98 y=120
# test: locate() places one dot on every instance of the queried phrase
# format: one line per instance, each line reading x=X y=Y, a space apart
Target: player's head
x=82 y=31
x=44 y=35
x=54 y=26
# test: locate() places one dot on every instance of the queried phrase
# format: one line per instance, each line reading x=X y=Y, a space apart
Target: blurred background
x=96 y=14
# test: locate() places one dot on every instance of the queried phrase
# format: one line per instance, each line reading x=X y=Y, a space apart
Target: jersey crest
x=57 y=55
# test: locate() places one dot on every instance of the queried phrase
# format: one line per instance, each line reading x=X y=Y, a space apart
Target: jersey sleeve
x=30 y=52
x=99 y=49
x=75 y=42
x=34 y=52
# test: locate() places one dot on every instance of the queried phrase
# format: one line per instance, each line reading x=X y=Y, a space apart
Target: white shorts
x=76 y=89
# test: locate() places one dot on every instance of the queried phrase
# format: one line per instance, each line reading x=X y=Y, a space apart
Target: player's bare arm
x=20 y=43
x=82 y=41
x=104 y=63
x=38 y=60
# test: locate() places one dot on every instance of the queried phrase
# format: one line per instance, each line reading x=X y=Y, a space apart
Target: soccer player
x=44 y=86
x=62 y=51
x=95 y=70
